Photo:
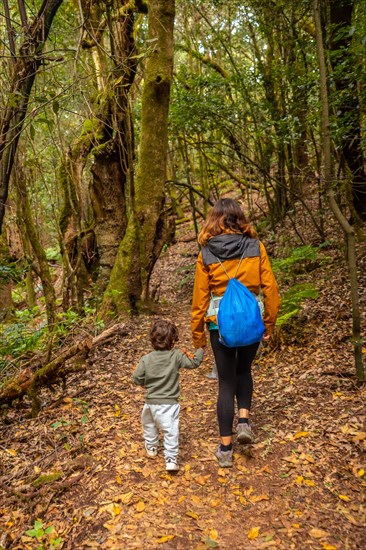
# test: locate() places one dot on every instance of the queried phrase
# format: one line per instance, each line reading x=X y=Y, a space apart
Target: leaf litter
x=301 y=485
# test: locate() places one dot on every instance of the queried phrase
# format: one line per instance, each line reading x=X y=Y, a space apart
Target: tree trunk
x=147 y=228
x=22 y=79
x=347 y=99
x=44 y=270
x=328 y=178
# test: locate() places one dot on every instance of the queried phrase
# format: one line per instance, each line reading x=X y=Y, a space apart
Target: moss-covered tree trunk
x=147 y=228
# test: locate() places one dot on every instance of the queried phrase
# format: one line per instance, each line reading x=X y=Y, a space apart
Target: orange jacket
x=255 y=273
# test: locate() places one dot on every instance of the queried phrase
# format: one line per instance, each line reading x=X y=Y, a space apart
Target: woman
x=228 y=238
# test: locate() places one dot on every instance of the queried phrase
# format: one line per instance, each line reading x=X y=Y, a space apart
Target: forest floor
x=77 y=475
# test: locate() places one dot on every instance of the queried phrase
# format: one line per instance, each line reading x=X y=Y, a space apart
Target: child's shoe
x=171 y=465
x=225 y=458
x=151 y=451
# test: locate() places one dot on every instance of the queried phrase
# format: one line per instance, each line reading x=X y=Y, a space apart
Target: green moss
x=44 y=479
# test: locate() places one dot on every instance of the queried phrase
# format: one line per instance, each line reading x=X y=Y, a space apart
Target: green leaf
x=31 y=533
x=49 y=529
x=210 y=543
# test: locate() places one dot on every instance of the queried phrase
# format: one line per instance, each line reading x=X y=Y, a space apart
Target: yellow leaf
x=299 y=480
x=196 y=499
x=253 y=533
x=192 y=515
x=125 y=498
x=116 y=510
x=140 y=506
x=359 y=437
x=117 y=411
x=258 y=498
x=309 y=483
x=344 y=497
x=318 y=533
x=308 y=458
x=12 y=452
x=165 y=539
x=180 y=499
x=221 y=472
x=243 y=500
x=214 y=503
x=202 y=480
x=361 y=472
x=119 y=480
x=337 y=394
x=296 y=525
x=326 y=546
x=214 y=534
x=300 y=434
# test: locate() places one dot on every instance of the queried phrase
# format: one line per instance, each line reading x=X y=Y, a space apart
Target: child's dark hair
x=163 y=334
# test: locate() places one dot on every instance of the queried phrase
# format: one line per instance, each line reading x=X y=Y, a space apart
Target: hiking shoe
x=151 y=451
x=225 y=458
x=171 y=465
x=244 y=433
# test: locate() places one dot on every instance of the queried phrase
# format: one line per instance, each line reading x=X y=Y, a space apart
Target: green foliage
x=300 y=259
x=53 y=254
x=11 y=272
x=18 y=338
x=44 y=535
x=292 y=299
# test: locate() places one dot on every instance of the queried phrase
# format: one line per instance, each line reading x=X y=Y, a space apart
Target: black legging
x=235 y=380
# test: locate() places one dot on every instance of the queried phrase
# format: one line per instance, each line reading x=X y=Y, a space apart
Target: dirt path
x=300 y=486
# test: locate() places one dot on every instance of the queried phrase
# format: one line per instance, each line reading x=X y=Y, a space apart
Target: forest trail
x=300 y=486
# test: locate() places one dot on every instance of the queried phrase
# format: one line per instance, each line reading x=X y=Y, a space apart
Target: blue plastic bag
x=239 y=318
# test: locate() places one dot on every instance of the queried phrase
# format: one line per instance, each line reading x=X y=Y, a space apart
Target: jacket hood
x=229 y=246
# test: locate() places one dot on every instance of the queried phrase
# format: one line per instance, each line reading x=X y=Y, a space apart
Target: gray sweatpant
x=166 y=418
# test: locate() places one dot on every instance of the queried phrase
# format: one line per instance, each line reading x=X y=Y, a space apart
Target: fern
x=292 y=299
x=299 y=261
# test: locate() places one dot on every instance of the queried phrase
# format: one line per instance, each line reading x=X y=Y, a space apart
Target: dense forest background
x=113 y=134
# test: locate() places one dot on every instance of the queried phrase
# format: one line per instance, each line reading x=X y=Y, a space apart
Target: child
x=158 y=371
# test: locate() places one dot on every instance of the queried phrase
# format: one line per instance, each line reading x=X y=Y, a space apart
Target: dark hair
x=163 y=334
x=225 y=216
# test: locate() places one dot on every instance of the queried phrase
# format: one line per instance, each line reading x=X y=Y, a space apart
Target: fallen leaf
x=125 y=498
x=309 y=483
x=344 y=497
x=359 y=437
x=318 y=533
x=12 y=452
x=140 y=506
x=300 y=434
x=116 y=510
x=258 y=498
x=192 y=515
x=166 y=538
x=253 y=533
x=326 y=546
